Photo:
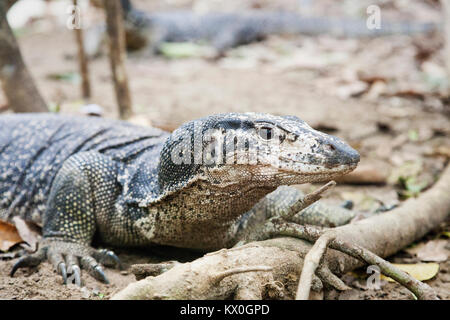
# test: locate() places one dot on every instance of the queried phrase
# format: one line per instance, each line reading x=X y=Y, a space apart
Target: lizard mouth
x=326 y=165
x=291 y=166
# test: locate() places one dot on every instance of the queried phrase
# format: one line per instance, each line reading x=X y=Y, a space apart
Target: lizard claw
x=66 y=258
x=100 y=275
x=63 y=271
x=94 y=269
x=31 y=260
x=108 y=258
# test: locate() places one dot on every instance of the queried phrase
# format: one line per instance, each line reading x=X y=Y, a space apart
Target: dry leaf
x=419 y=271
x=442 y=151
x=28 y=232
x=351 y=90
x=433 y=251
x=9 y=236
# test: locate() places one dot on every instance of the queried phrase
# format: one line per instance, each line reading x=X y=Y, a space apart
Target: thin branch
x=307 y=200
x=83 y=62
x=117 y=56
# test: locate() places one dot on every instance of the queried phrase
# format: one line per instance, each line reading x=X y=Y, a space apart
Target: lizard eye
x=266 y=133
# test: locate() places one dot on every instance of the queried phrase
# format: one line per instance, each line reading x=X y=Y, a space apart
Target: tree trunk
x=16 y=81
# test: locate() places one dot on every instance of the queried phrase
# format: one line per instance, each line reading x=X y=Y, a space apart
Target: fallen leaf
x=406 y=170
x=361 y=201
x=413 y=135
x=419 y=271
x=442 y=151
x=28 y=232
x=433 y=250
x=9 y=236
x=70 y=76
x=412 y=187
x=180 y=50
x=351 y=90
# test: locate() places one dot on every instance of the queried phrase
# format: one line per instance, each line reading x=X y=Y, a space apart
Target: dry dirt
x=316 y=79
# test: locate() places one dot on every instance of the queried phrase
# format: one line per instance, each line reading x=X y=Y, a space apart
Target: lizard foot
x=67 y=257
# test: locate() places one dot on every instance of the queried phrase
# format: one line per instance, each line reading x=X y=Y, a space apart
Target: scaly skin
x=227 y=30
x=134 y=186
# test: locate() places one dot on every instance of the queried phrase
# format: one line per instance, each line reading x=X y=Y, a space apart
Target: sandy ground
x=259 y=77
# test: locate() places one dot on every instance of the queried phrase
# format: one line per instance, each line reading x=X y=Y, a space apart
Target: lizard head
x=267 y=150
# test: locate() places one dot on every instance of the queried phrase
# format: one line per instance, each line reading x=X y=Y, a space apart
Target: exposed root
x=421 y=290
x=328 y=277
x=312 y=261
x=221 y=275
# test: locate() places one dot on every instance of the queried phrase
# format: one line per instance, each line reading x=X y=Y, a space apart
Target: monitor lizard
x=133 y=186
x=226 y=30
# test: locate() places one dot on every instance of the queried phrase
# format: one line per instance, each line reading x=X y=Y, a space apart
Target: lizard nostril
x=331 y=147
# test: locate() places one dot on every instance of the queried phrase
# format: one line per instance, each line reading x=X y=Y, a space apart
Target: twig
x=83 y=62
x=117 y=56
x=307 y=200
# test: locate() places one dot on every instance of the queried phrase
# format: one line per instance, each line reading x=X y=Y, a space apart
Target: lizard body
x=137 y=186
x=227 y=30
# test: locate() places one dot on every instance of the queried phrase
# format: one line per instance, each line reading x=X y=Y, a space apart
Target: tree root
x=311 y=263
x=328 y=239
x=368 y=240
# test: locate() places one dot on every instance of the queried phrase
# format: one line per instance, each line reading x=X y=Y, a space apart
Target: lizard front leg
x=70 y=218
x=250 y=227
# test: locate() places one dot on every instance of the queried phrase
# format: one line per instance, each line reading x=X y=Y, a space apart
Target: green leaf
x=180 y=50
x=413 y=135
x=70 y=76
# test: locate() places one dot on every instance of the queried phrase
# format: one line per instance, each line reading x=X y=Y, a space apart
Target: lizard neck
x=202 y=215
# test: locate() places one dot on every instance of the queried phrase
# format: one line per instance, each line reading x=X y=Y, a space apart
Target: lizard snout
x=340 y=153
